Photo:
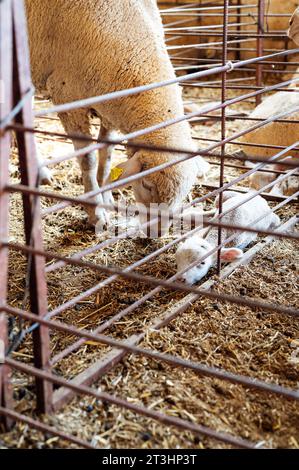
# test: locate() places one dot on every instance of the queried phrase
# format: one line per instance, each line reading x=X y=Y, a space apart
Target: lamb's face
x=195 y=249
x=189 y=252
x=293 y=31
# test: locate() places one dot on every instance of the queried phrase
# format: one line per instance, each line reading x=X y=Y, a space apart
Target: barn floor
x=243 y=341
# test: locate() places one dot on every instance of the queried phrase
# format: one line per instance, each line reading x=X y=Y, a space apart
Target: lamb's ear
x=231 y=254
x=126 y=169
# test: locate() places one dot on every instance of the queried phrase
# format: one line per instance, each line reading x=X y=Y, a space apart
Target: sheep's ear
x=231 y=254
x=125 y=170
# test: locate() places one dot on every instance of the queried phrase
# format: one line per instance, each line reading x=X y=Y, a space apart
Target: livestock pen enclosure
x=105 y=346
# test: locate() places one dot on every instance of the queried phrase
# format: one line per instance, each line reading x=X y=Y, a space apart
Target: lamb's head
x=195 y=249
x=260 y=179
x=190 y=251
x=164 y=190
x=293 y=31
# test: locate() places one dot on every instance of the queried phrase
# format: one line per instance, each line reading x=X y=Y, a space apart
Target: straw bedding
x=244 y=341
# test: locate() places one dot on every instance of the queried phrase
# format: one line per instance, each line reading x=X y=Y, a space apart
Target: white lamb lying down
x=198 y=246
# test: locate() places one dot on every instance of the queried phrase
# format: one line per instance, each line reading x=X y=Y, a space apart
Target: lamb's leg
x=104 y=167
x=77 y=122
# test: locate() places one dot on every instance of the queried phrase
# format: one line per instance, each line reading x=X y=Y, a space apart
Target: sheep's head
x=195 y=249
x=293 y=31
x=163 y=190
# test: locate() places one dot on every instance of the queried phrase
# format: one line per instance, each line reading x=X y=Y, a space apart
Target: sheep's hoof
x=99 y=219
x=45 y=176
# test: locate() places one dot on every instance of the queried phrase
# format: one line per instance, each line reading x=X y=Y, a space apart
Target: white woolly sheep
x=279 y=134
x=275 y=133
x=92 y=47
x=293 y=31
x=198 y=246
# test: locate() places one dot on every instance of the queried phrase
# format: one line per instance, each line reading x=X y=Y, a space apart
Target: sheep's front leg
x=77 y=122
x=104 y=167
x=45 y=175
x=88 y=165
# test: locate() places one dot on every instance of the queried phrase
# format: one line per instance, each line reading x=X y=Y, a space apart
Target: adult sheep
x=85 y=48
x=265 y=139
x=285 y=105
x=293 y=31
x=281 y=134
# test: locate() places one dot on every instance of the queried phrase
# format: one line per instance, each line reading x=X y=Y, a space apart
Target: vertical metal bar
x=260 y=47
x=6 y=390
x=5 y=108
x=6 y=83
x=223 y=123
x=239 y=21
x=32 y=215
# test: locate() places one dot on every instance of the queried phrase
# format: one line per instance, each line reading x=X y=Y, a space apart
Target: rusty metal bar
x=103 y=366
x=6 y=54
x=89 y=102
x=32 y=218
x=163 y=418
x=223 y=123
x=171 y=360
x=166 y=283
x=37 y=255
x=13 y=415
x=6 y=390
x=275 y=158
x=15 y=111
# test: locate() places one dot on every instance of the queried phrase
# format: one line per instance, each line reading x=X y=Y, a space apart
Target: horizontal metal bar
x=165 y=419
x=44 y=428
x=104 y=365
x=166 y=358
x=14 y=112
x=89 y=102
x=159 y=282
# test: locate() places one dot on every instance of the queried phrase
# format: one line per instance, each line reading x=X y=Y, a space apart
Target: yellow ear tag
x=116 y=173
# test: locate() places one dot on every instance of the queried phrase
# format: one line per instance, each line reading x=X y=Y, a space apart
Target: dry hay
x=252 y=343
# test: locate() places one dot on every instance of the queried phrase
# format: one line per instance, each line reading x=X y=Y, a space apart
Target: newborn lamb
x=198 y=246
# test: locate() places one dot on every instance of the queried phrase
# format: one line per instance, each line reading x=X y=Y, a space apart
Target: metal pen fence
x=226 y=37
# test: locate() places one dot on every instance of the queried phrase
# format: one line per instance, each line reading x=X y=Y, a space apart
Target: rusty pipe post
x=260 y=46
x=223 y=123
x=31 y=205
x=6 y=390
